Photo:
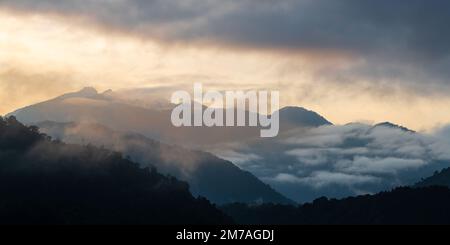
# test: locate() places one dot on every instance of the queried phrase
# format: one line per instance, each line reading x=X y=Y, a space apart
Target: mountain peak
x=89 y=91
x=392 y=125
x=86 y=92
x=108 y=91
x=293 y=108
x=301 y=116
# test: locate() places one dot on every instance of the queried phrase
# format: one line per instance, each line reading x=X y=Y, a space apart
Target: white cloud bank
x=346 y=160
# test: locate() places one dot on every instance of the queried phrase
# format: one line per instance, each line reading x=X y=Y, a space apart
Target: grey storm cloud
x=418 y=26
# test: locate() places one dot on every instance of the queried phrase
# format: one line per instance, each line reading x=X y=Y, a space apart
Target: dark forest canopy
x=404 y=205
x=48 y=182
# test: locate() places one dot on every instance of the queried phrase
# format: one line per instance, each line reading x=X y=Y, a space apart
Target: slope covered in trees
x=430 y=205
x=49 y=182
x=439 y=178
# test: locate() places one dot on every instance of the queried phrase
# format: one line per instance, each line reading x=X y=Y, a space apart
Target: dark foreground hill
x=430 y=205
x=48 y=182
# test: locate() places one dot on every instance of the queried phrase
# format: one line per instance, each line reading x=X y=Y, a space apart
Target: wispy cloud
x=321 y=179
x=238 y=158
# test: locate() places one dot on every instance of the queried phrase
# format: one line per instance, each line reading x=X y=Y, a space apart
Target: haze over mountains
x=49 y=182
x=310 y=158
x=209 y=176
x=120 y=113
x=129 y=115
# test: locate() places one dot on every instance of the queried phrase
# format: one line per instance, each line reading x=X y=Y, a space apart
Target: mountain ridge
x=43 y=181
x=207 y=174
x=153 y=123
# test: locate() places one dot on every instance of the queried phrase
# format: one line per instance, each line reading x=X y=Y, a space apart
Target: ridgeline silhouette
x=48 y=182
x=404 y=205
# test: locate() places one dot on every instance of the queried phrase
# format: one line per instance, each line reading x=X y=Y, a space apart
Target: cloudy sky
x=349 y=60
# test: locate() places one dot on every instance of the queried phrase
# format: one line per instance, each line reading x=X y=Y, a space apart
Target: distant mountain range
x=309 y=158
x=87 y=105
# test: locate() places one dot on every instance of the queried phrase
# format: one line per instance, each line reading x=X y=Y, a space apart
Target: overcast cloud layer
x=415 y=26
x=412 y=34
